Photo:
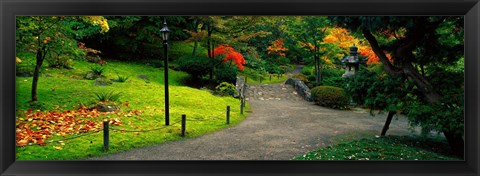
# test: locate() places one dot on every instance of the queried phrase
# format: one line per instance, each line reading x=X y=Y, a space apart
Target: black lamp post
x=165 y=34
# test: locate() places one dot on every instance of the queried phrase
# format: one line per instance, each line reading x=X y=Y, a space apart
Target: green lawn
x=384 y=148
x=65 y=89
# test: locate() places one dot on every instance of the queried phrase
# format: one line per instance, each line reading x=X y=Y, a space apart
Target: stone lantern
x=351 y=62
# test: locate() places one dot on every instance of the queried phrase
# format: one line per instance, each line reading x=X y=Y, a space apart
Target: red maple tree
x=230 y=54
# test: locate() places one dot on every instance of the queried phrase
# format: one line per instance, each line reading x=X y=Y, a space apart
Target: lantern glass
x=165 y=32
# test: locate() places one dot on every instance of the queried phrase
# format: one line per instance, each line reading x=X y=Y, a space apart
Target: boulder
x=107 y=108
x=300 y=87
x=91 y=76
x=103 y=82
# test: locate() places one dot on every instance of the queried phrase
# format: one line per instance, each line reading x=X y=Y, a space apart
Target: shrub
x=197 y=67
x=226 y=73
x=273 y=68
x=302 y=78
x=332 y=72
x=60 y=61
x=120 y=78
x=226 y=89
x=307 y=70
x=108 y=96
x=333 y=81
x=97 y=69
x=329 y=96
x=283 y=61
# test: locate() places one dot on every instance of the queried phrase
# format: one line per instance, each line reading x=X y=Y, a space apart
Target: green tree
x=309 y=32
x=45 y=36
x=137 y=37
x=421 y=48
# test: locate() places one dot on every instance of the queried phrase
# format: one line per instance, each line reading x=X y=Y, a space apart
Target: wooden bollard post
x=106 y=139
x=228 y=114
x=184 y=121
x=241 y=106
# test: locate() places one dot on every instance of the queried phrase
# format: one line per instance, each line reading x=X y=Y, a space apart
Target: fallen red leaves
x=36 y=127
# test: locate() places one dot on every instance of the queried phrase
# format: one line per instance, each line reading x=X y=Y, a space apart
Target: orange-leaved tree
x=276 y=48
x=342 y=38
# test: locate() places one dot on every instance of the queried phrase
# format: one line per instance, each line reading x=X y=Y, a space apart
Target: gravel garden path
x=281 y=125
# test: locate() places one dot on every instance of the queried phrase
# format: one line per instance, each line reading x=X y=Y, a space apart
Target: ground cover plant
x=385 y=148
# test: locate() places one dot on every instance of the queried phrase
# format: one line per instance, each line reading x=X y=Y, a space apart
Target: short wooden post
x=106 y=139
x=228 y=114
x=184 y=121
x=241 y=105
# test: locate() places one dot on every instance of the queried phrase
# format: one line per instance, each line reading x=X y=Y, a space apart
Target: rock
x=91 y=76
x=102 y=82
x=300 y=88
x=21 y=73
x=106 y=107
x=142 y=76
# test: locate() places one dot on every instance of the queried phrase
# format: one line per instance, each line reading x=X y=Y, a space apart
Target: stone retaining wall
x=300 y=87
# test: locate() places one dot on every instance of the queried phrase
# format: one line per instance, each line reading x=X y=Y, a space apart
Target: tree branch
x=381 y=55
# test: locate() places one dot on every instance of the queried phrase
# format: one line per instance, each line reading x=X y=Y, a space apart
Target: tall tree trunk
x=195 y=45
x=387 y=123
x=317 y=63
x=210 y=49
x=456 y=143
x=36 y=72
x=209 y=41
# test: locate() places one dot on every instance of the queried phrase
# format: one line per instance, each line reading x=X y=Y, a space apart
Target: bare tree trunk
x=387 y=123
x=210 y=49
x=36 y=72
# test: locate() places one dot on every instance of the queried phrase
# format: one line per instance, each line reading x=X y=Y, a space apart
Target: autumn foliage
x=276 y=47
x=344 y=40
x=36 y=127
x=230 y=54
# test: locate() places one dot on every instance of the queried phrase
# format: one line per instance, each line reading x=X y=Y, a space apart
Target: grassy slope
x=65 y=88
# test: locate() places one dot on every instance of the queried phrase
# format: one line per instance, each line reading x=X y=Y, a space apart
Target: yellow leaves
x=57 y=147
x=46 y=40
x=18 y=60
x=308 y=45
x=98 y=21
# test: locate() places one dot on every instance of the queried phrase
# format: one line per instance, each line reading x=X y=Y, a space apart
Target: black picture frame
x=10 y=8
